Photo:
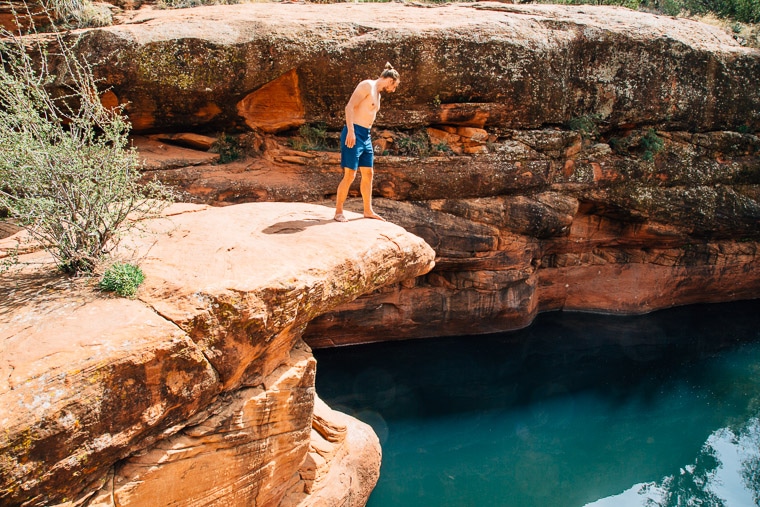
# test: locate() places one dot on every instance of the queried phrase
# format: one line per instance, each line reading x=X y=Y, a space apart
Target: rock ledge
x=203 y=382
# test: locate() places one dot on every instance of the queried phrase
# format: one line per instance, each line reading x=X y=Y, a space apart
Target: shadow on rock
x=294 y=226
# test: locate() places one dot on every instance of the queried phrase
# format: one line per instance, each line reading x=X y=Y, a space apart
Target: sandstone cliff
x=270 y=67
x=576 y=157
x=201 y=390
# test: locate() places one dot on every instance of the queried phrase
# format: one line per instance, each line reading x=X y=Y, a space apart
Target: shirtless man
x=355 y=143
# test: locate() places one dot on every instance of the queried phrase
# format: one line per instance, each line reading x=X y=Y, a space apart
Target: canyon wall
x=201 y=390
x=556 y=157
x=578 y=157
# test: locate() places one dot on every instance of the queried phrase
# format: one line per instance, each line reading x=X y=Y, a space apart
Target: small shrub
x=90 y=15
x=442 y=147
x=587 y=125
x=310 y=137
x=652 y=144
x=414 y=145
x=68 y=175
x=227 y=147
x=743 y=129
x=71 y=14
x=123 y=279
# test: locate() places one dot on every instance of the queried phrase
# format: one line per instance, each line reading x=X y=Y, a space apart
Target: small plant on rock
x=442 y=147
x=587 y=125
x=311 y=137
x=414 y=145
x=123 y=279
x=652 y=144
x=227 y=147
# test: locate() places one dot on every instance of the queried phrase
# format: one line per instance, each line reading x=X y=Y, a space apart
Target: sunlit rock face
x=585 y=158
x=556 y=157
x=200 y=390
x=605 y=234
x=474 y=65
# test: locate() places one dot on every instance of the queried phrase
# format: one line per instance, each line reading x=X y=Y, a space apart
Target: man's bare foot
x=374 y=215
x=339 y=217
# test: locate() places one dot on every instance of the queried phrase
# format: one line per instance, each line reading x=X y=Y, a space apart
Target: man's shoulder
x=367 y=83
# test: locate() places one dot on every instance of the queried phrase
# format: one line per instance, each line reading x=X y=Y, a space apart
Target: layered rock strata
x=585 y=158
x=201 y=390
x=274 y=67
x=545 y=220
x=556 y=157
x=601 y=232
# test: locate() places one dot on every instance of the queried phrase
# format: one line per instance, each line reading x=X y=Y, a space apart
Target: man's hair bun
x=390 y=72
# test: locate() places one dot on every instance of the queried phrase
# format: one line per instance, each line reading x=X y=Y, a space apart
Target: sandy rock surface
x=87 y=379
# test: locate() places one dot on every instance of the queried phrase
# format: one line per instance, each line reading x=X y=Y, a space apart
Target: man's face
x=392 y=85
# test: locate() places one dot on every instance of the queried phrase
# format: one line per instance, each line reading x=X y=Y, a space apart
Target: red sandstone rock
x=343 y=452
x=86 y=380
x=15 y=14
x=275 y=106
x=243 y=449
x=188 y=139
x=217 y=66
x=106 y=394
x=540 y=209
x=156 y=155
x=603 y=207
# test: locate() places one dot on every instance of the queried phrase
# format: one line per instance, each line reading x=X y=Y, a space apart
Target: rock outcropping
x=576 y=157
x=556 y=157
x=274 y=67
x=201 y=390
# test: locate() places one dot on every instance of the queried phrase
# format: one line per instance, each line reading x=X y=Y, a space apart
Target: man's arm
x=361 y=92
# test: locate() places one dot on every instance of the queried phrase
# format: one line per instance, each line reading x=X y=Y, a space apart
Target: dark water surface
x=576 y=410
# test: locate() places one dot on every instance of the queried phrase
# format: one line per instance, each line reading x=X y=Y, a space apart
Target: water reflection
x=724 y=474
x=660 y=410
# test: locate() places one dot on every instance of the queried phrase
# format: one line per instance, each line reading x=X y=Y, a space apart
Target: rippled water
x=576 y=410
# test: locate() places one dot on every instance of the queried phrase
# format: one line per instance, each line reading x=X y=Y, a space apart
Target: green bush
x=414 y=145
x=67 y=174
x=442 y=147
x=227 y=147
x=652 y=144
x=587 y=125
x=311 y=137
x=123 y=279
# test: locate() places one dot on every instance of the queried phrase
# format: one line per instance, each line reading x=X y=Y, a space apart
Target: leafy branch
x=66 y=170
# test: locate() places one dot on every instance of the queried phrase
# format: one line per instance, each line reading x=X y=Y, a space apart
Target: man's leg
x=366 y=189
x=343 y=186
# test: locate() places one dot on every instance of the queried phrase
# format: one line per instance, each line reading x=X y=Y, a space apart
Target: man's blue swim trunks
x=362 y=154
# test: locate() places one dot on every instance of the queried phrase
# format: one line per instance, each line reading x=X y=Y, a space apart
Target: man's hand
x=350 y=140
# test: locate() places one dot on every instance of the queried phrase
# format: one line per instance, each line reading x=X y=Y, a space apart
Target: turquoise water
x=576 y=410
